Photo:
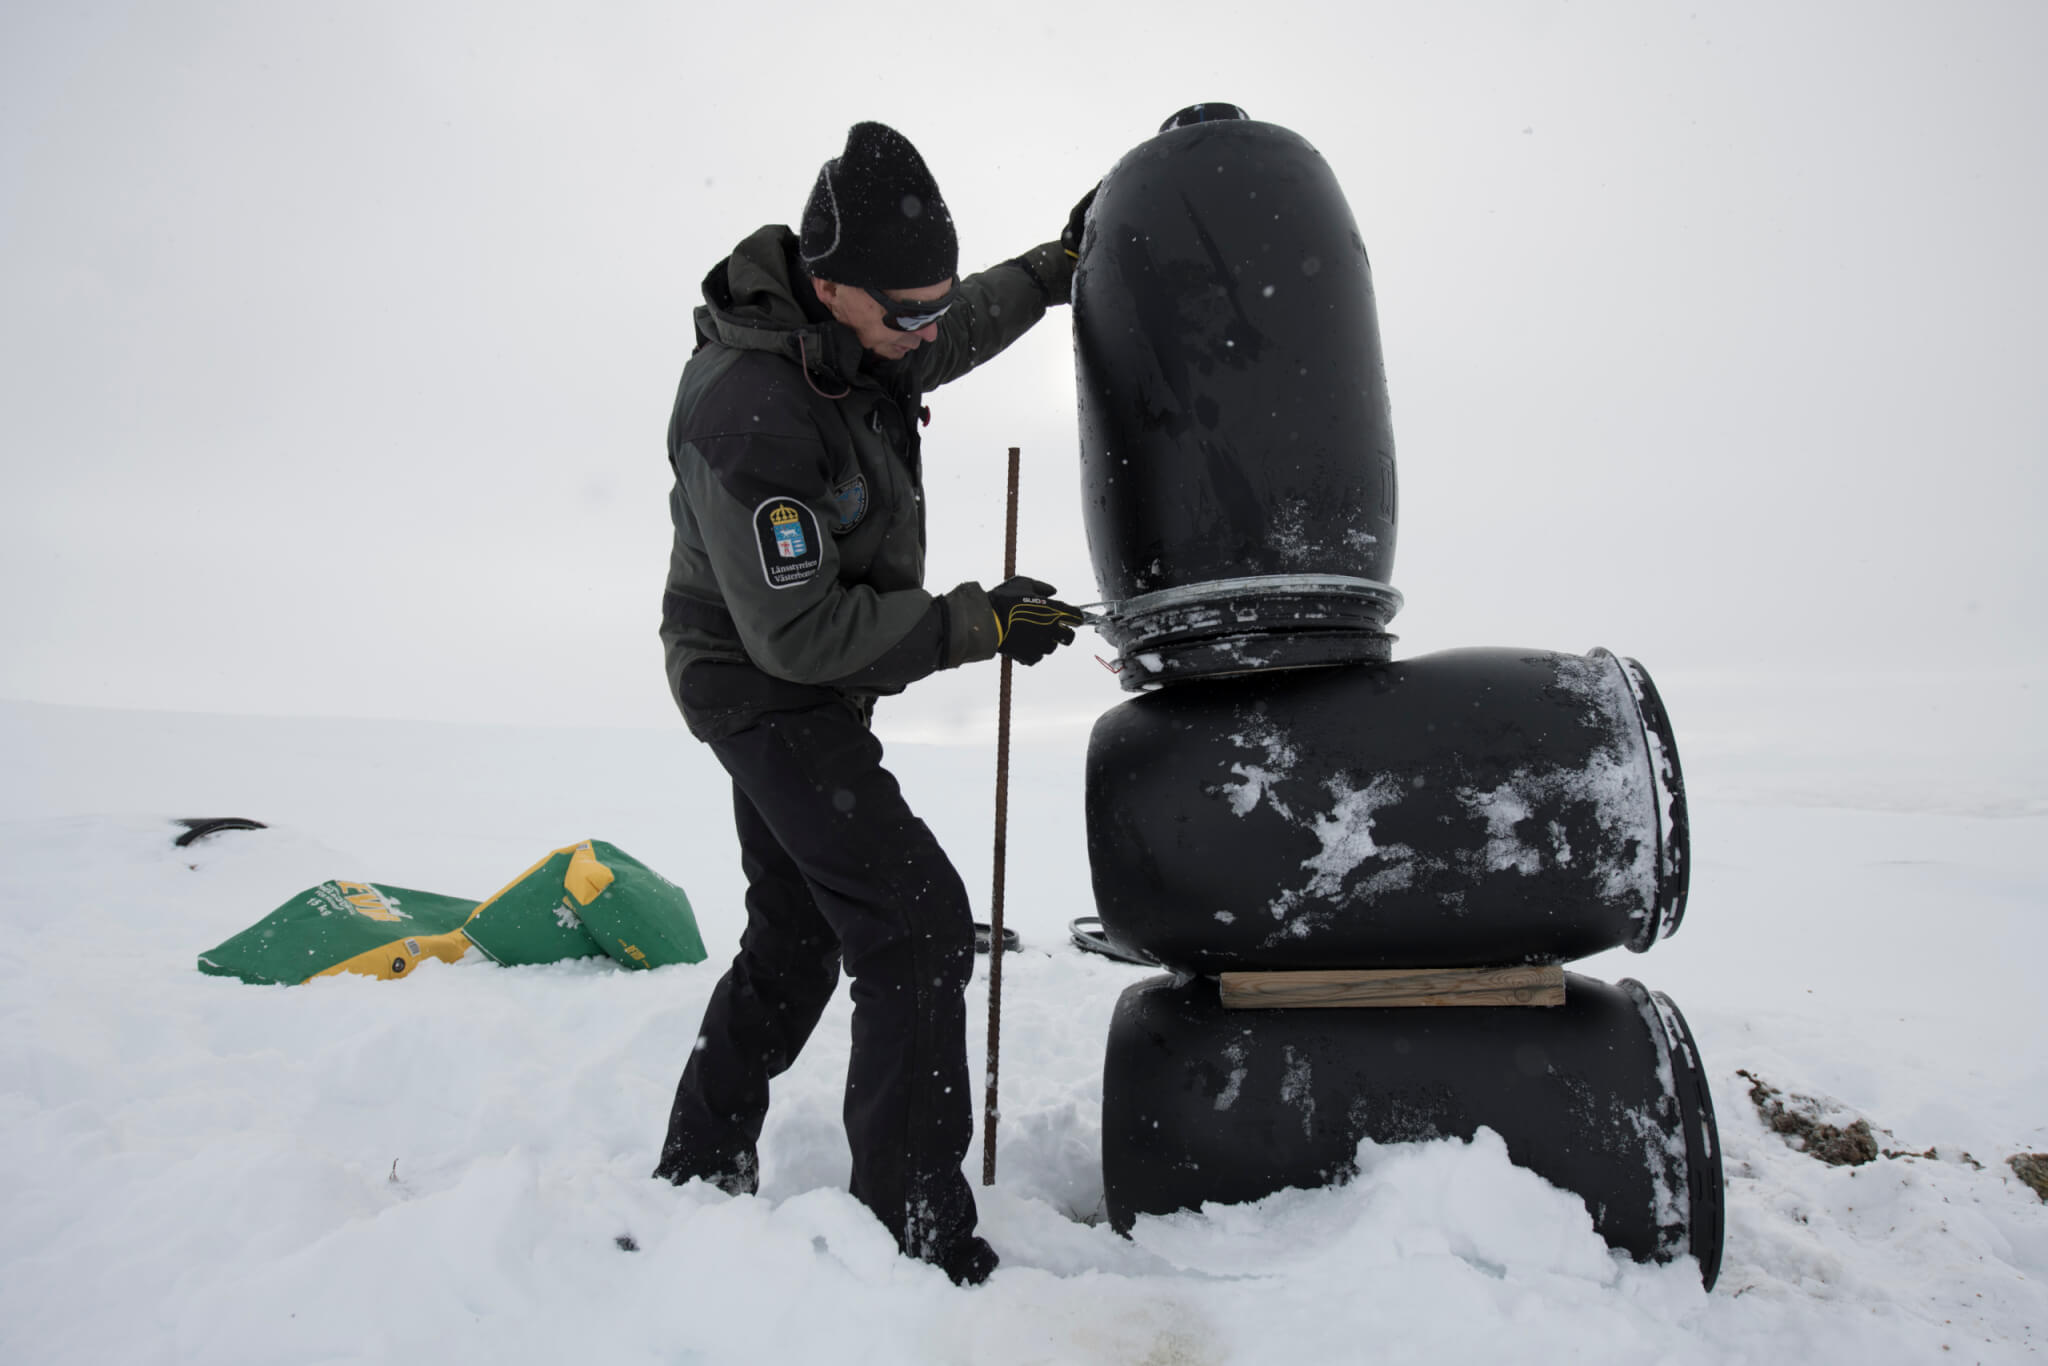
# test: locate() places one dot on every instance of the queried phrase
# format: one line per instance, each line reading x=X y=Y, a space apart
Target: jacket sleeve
x=761 y=504
x=997 y=306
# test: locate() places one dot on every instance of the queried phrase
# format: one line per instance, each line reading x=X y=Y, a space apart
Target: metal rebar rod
x=995 y=914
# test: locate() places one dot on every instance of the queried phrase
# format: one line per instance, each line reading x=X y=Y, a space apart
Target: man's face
x=859 y=310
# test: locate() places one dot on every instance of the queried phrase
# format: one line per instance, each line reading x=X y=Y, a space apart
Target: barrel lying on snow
x=1237 y=453
x=1602 y=1096
x=1482 y=806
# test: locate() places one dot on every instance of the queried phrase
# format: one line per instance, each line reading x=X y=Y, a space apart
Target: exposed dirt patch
x=1934 y=1155
x=1824 y=1130
x=1799 y=1118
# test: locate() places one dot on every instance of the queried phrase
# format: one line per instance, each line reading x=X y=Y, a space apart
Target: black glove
x=1030 y=622
x=1070 y=236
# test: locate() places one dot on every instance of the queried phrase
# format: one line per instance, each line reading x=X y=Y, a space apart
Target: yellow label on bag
x=587 y=877
x=388 y=962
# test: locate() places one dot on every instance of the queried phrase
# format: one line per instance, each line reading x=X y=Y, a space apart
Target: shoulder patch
x=850 y=501
x=786 y=530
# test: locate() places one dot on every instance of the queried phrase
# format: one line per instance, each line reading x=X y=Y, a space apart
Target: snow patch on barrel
x=1504 y=808
x=1234 y=1053
x=1592 y=680
x=1618 y=785
x=1613 y=786
x=1664 y=1161
x=1346 y=834
x=1347 y=844
x=1277 y=757
x=1297 y=1088
x=1672 y=854
x=1663 y=768
x=1677 y=1051
x=1661 y=1127
x=1295 y=535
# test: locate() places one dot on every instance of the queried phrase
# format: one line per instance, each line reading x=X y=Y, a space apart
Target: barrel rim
x=1288 y=621
x=1257 y=585
x=1706 y=1186
x=1211 y=657
x=1674 y=826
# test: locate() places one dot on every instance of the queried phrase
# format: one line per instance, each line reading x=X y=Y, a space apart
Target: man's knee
x=925 y=916
x=800 y=974
x=924 y=951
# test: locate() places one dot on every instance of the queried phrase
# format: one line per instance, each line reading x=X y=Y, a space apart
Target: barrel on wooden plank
x=1603 y=1096
x=1470 y=807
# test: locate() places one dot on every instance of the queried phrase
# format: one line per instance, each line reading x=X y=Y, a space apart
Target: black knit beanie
x=875 y=217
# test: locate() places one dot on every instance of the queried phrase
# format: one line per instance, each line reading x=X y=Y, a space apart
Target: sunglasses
x=911 y=315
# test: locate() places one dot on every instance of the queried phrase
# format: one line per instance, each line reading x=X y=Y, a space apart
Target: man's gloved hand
x=1070 y=236
x=1030 y=622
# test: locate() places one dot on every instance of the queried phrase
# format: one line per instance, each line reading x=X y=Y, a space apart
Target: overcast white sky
x=337 y=341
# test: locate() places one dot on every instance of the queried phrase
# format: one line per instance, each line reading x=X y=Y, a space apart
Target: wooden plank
x=1527 y=985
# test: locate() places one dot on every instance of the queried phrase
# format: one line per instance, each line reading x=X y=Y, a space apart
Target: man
x=795 y=598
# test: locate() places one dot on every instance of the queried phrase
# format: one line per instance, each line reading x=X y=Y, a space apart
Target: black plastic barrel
x=1603 y=1096
x=1237 y=453
x=1466 y=808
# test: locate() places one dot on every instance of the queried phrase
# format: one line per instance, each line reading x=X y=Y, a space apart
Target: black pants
x=839 y=869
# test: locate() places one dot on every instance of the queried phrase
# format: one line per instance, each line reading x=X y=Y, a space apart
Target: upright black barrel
x=1237 y=453
x=1463 y=808
x=1603 y=1096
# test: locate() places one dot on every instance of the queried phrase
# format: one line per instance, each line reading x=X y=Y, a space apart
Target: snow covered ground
x=196 y=1170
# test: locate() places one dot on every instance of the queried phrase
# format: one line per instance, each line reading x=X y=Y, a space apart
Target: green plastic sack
x=637 y=916
x=532 y=918
x=581 y=901
x=587 y=899
x=344 y=927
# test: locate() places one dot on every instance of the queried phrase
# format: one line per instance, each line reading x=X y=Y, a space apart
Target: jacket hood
x=751 y=304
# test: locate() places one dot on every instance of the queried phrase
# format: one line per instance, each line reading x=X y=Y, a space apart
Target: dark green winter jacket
x=797 y=575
